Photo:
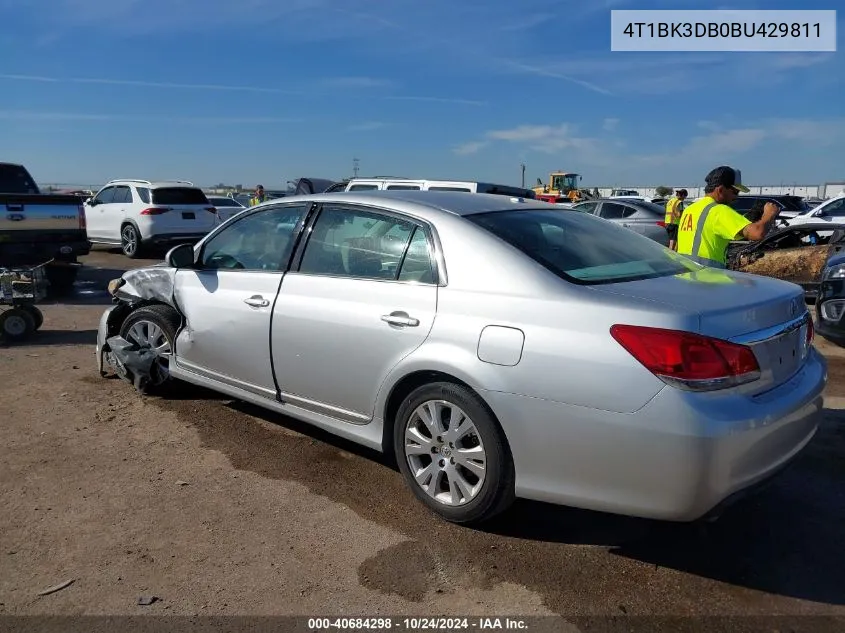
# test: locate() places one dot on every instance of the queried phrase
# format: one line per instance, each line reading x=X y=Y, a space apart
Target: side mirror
x=181 y=256
x=91 y=202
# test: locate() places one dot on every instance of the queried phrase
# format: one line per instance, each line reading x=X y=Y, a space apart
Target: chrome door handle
x=257 y=301
x=400 y=318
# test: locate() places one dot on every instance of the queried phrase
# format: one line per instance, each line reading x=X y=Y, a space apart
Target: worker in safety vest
x=708 y=225
x=258 y=197
x=673 y=214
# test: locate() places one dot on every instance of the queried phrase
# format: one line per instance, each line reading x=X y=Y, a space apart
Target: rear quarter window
x=179 y=195
x=15 y=179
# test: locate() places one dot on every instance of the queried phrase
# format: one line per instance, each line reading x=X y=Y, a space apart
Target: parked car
x=830 y=303
x=37 y=228
x=411 y=184
x=794 y=253
x=496 y=348
x=641 y=216
x=137 y=214
x=226 y=206
x=830 y=211
x=790 y=206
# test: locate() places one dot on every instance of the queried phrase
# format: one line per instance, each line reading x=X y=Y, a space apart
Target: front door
x=228 y=298
x=363 y=298
x=96 y=214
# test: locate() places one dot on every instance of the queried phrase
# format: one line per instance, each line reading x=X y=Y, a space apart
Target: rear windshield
x=179 y=195
x=15 y=179
x=582 y=248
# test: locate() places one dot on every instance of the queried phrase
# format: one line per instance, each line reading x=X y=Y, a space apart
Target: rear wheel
x=130 y=241
x=453 y=454
x=36 y=314
x=16 y=324
x=154 y=328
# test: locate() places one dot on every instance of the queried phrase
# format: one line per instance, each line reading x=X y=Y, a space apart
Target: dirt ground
x=216 y=507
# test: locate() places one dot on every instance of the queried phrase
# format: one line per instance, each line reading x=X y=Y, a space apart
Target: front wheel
x=16 y=324
x=453 y=454
x=153 y=328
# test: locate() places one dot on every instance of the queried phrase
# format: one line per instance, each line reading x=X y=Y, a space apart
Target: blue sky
x=270 y=90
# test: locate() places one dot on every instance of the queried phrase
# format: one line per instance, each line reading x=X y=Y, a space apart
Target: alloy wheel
x=445 y=453
x=148 y=335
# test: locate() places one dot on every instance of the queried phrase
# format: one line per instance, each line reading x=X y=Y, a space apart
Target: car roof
x=426 y=202
x=154 y=184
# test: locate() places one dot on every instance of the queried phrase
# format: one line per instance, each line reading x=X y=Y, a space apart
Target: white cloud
x=610 y=124
x=466 y=149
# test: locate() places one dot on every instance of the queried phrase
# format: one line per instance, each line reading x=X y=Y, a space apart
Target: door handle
x=257 y=301
x=400 y=318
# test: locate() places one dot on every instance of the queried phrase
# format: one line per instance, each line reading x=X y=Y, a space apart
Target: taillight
x=82 y=222
x=661 y=224
x=687 y=360
x=155 y=211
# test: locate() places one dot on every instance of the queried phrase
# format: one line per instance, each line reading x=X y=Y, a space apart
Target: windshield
x=179 y=195
x=582 y=248
x=564 y=182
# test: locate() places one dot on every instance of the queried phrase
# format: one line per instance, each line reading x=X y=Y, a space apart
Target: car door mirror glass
x=181 y=256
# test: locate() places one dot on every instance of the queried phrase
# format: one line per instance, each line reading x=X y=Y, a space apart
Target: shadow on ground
x=784 y=541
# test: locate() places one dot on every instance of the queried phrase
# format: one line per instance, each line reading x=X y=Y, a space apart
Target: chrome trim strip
x=212 y=375
x=767 y=334
x=356 y=418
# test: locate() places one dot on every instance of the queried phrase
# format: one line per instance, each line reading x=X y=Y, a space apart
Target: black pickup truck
x=36 y=228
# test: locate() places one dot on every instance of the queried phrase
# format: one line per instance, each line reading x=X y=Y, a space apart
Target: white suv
x=138 y=213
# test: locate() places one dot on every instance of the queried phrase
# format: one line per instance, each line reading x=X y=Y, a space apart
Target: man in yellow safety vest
x=708 y=225
x=258 y=197
x=673 y=214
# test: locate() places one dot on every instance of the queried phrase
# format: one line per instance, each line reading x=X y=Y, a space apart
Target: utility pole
x=523 y=174
x=355 y=163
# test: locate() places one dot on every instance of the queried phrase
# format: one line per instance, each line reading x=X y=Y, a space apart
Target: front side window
x=835 y=209
x=582 y=248
x=356 y=243
x=260 y=241
x=587 y=207
x=105 y=196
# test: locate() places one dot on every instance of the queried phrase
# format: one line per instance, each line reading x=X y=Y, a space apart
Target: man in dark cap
x=258 y=197
x=708 y=225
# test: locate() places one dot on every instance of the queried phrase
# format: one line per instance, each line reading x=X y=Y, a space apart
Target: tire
x=130 y=241
x=167 y=320
x=16 y=324
x=480 y=499
x=36 y=314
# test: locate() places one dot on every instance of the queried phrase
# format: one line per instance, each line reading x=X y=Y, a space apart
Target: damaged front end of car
x=125 y=357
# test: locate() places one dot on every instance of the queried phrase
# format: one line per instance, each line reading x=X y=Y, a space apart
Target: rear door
x=190 y=212
x=362 y=298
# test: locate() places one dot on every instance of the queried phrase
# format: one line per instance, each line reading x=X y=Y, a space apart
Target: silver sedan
x=496 y=348
x=641 y=216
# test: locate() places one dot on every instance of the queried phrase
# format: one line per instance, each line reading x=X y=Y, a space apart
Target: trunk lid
x=761 y=312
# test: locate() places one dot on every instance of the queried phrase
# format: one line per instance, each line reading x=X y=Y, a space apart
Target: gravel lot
x=216 y=507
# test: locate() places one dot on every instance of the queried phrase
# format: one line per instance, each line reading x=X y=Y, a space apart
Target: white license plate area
x=787 y=353
x=189 y=215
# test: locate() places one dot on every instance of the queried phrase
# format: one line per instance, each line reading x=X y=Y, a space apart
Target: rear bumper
x=174 y=239
x=31 y=253
x=678 y=458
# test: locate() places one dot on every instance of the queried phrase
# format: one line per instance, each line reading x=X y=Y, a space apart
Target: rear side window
x=179 y=195
x=15 y=179
x=449 y=189
x=143 y=194
x=404 y=187
x=581 y=248
x=743 y=203
x=363 y=187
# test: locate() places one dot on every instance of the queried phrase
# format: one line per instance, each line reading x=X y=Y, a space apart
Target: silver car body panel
x=587 y=424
